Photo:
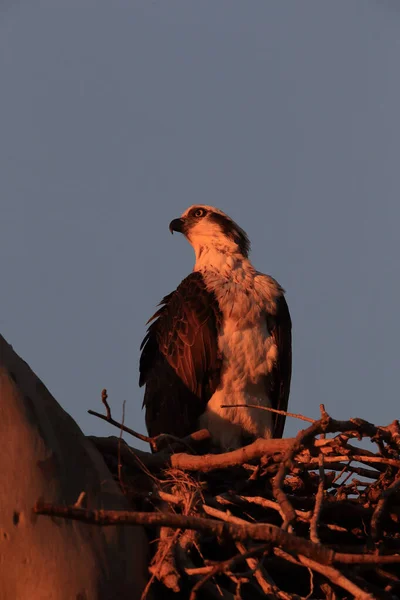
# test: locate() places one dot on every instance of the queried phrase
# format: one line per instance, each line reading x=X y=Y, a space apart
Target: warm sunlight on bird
x=223 y=337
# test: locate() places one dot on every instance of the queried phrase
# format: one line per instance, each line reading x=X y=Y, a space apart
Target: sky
x=117 y=116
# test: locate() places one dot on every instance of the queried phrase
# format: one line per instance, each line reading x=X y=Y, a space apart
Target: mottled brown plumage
x=278 y=384
x=180 y=362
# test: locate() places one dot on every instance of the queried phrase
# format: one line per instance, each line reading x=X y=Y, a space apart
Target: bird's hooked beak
x=176 y=225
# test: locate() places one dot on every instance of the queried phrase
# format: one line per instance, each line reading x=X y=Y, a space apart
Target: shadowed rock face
x=45 y=455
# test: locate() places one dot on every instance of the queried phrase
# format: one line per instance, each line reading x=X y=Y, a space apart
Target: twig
x=269 y=409
x=224 y=566
x=335 y=462
x=264 y=581
x=162 y=563
x=381 y=507
x=122 y=427
x=119 y=448
x=318 y=503
x=258 y=573
x=186 y=541
x=342 y=472
x=203 y=580
x=80 y=500
x=336 y=577
x=264 y=502
x=104 y=397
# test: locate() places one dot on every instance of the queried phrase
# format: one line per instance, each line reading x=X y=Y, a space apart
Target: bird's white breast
x=248 y=351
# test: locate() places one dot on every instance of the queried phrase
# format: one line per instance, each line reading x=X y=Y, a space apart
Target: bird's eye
x=199 y=212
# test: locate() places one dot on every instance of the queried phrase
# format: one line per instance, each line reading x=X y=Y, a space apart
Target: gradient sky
x=116 y=116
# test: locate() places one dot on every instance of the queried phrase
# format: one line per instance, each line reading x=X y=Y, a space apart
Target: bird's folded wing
x=280 y=328
x=180 y=360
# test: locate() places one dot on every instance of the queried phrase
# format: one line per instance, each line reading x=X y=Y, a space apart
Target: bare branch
x=104 y=397
x=336 y=577
x=379 y=511
x=269 y=409
x=109 y=419
x=318 y=503
x=260 y=532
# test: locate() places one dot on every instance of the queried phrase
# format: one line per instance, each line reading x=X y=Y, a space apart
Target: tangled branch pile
x=316 y=516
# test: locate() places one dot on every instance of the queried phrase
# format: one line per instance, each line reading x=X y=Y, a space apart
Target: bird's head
x=208 y=228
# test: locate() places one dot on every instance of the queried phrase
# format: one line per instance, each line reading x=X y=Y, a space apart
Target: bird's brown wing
x=278 y=382
x=180 y=362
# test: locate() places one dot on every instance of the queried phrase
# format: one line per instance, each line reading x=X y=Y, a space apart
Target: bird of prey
x=222 y=338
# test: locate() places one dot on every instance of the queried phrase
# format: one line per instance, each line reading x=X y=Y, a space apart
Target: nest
x=316 y=516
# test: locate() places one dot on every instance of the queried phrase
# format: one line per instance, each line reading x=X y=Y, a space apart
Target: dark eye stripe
x=230 y=229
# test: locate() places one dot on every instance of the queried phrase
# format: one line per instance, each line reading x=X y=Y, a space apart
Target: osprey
x=223 y=337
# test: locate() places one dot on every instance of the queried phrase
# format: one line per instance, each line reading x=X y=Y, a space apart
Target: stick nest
x=316 y=516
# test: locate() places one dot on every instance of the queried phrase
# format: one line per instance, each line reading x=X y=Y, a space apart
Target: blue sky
x=116 y=116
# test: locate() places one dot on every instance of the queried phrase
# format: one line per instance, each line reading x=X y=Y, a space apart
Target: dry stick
x=204 y=463
x=139 y=459
x=122 y=427
x=324 y=425
x=345 y=468
x=334 y=527
x=373 y=460
x=246 y=454
x=376 y=460
x=258 y=571
x=144 y=438
x=337 y=556
x=258 y=532
x=330 y=572
x=268 y=408
x=185 y=542
x=166 y=550
x=394 y=430
x=104 y=397
x=208 y=462
x=264 y=502
x=154 y=461
x=335 y=463
x=121 y=483
x=263 y=579
x=336 y=577
x=381 y=506
x=309 y=595
x=192 y=571
x=286 y=463
x=386 y=575
x=318 y=503
x=223 y=567
x=201 y=582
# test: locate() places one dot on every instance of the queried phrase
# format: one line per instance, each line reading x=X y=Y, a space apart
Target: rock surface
x=45 y=455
